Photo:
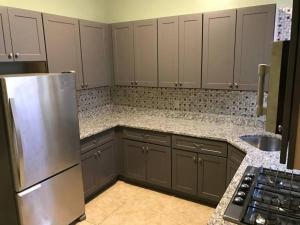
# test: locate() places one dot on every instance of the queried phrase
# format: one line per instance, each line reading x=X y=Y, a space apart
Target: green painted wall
x=126 y=10
x=83 y=9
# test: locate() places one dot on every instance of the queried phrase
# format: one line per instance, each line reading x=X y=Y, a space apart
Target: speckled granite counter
x=217 y=127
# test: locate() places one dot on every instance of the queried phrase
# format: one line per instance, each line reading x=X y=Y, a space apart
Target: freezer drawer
x=57 y=201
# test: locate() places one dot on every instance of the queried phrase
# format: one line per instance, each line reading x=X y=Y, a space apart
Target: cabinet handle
x=17 y=55
x=99 y=153
x=180 y=84
x=82 y=85
x=147 y=149
x=136 y=83
x=200 y=161
x=10 y=55
x=197 y=145
x=236 y=85
x=195 y=159
x=209 y=150
x=86 y=85
x=230 y=85
x=175 y=84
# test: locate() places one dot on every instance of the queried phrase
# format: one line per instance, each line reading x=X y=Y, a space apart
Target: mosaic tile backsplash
x=239 y=103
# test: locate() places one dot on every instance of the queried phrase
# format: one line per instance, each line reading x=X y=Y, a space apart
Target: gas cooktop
x=265 y=197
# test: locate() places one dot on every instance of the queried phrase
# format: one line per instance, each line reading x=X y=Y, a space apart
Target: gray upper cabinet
x=218 y=49
x=168 y=35
x=190 y=50
x=122 y=34
x=145 y=52
x=63 y=45
x=94 y=39
x=5 y=41
x=254 y=38
x=27 y=35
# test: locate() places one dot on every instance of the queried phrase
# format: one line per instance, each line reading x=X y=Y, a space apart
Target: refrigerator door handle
x=18 y=148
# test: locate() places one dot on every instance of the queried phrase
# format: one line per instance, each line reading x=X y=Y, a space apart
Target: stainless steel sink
x=262 y=142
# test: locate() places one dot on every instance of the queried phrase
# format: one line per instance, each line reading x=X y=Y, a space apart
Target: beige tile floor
x=125 y=204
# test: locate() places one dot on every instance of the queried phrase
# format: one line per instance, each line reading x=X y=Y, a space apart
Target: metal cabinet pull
x=200 y=160
x=86 y=85
x=230 y=85
x=136 y=83
x=209 y=150
x=197 y=145
x=17 y=55
x=99 y=153
x=176 y=84
x=236 y=85
x=132 y=83
x=180 y=84
x=19 y=158
x=195 y=159
x=10 y=55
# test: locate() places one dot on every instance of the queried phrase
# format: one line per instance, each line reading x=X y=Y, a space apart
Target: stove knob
x=241 y=194
x=238 y=200
x=260 y=220
x=248 y=179
x=252 y=175
x=244 y=187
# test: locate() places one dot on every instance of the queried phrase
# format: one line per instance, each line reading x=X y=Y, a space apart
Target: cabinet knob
x=82 y=85
x=99 y=153
x=132 y=83
x=236 y=85
x=195 y=159
x=10 y=55
x=230 y=85
x=86 y=85
x=176 y=84
x=136 y=83
x=17 y=55
x=180 y=84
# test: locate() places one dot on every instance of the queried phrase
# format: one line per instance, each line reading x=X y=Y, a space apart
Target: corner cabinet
x=218 y=49
x=145 y=53
x=95 y=51
x=63 y=46
x=168 y=35
x=22 y=35
x=254 y=39
x=123 y=53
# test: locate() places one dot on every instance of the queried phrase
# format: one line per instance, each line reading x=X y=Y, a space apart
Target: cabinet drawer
x=147 y=136
x=97 y=140
x=235 y=154
x=200 y=145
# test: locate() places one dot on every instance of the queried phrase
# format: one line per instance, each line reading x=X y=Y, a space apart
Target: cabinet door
x=5 y=41
x=27 y=35
x=122 y=34
x=254 y=38
x=135 y=160
x=190 y=50
x=184 y=171
x=145 y=52
x=232 y=167
x=211 y=176
x=63 y=45
x=168 y=52
x=218 y=49
x=107 y=164
x=159 y=165
x=93 y=37
x=89 y=162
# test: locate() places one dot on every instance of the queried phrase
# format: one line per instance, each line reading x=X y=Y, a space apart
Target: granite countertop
x=210 y=126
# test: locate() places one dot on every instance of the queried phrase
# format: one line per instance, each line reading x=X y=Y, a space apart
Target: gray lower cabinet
x=63 y=45
x=184 y=171
x=134 y=160
x=158 y=165
x=254 y=38
x=235 y=158
x=98 y=168
x=145 y=52
x=147 y=162
x=94 y=39
x=123 y=53
x=211 y=176
x=218 y=49
x=168 y=35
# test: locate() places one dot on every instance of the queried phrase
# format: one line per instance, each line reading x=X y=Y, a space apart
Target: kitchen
x=130 y=112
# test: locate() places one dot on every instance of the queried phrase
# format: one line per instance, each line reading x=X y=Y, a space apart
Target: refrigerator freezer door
x=57 y=201
x=43 y=126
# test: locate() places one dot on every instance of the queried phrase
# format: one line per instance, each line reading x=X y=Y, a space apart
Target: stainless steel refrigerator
x=40 y=171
